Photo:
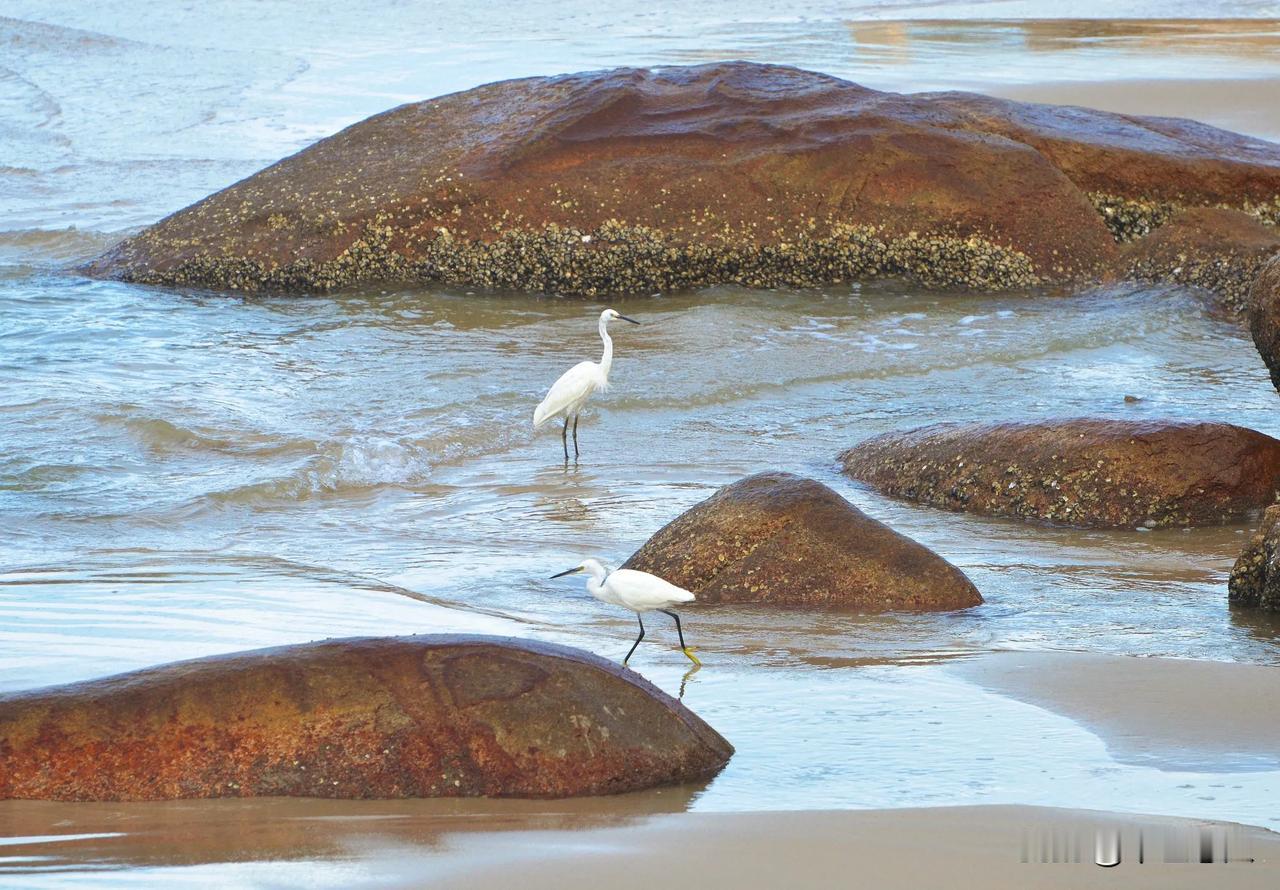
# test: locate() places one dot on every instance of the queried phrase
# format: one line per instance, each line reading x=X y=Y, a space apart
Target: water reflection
x=1078 y=48
x=1264 y=626
x=684 y=680
x=105 y=836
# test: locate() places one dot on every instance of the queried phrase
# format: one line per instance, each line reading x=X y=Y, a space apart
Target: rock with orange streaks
x=635 y=180
x=422 y=716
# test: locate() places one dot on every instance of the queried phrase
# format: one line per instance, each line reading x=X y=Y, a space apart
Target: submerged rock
x=1081 y=472
x=423 y=716
x=1255 y=578
x=781 y=539
x=761 y=175
x=1219 y=250
x=1264 y=316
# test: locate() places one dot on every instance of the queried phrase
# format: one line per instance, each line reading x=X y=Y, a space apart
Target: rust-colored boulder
x=1255 y=578
x=781 y=539
x=1219 y=250
x=1083 y=472
x=1264 y=316
x=635 y=180
x=422 y=716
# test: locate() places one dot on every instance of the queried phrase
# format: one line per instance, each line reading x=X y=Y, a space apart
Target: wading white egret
x=638 y=591
x=568 y=394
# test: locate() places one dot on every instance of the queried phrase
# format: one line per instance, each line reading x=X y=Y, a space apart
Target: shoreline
x=581 y=844
x=1240 y=105
x=987 y=847
x=1178 y=714
x=639 y=838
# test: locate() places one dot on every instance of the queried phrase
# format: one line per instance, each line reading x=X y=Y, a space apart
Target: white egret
x=638 y=591
x=568 y=394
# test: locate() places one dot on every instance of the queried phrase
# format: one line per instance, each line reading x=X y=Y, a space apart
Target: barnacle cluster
x=616 y=257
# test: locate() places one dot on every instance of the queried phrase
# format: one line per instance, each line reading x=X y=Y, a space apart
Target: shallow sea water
x=183 y=473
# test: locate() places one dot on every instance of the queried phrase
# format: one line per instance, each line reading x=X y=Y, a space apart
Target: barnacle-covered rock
x=1083 y=472
x=1255 y=578
x=635 y=180
x=1220 y=250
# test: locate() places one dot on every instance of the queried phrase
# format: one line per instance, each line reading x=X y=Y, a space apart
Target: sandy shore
x=1169 y=712
x=963 y=847
x=623 y=843
x=1244 y=105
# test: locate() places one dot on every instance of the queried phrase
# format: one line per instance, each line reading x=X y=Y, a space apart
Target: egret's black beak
x=565 y=572
x=632 y=320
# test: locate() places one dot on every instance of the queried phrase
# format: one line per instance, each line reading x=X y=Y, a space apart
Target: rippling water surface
x=192 y=473
x=183 y=473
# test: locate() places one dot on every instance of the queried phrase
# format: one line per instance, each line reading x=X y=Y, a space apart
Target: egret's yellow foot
x=688 y=651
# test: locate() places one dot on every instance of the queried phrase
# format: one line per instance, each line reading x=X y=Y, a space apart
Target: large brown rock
x=781 y=539
x=1264 y=316
x=1219 y=250
x=1255 y=578
x=1081 y=472
x=423 y=716
x=634 y=180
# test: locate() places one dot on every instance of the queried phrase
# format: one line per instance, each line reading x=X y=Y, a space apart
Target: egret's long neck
x=606 y=360
x=596 y=581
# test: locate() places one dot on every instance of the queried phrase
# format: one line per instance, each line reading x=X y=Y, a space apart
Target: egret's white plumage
x=570 y=393
x=638 y=591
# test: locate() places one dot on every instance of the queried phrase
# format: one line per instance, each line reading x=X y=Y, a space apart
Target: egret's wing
x=573 y=386
x=642 y=591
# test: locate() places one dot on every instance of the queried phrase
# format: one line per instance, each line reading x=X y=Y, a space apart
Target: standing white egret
x=638 y=591
x=568 y=394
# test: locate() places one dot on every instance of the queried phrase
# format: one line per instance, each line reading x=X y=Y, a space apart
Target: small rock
x=1255 y=577
x=1264 y=317
x=781 y=539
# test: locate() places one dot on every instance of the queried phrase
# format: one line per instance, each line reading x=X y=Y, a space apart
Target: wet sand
x=964 y=847
x=1220 y=71
x=620 y=843
x=1245 y=105
x=1175 y=713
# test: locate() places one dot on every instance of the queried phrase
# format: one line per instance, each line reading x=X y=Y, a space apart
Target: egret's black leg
x=680 y=631
x=564 y=433
x=637 y=642
x=575 y=436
